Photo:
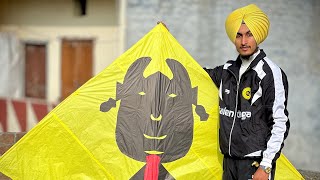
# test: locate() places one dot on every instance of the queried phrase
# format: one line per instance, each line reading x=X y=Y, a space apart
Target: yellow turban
x=256 y=20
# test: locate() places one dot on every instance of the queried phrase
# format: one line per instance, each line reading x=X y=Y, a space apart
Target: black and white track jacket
x=253 y=114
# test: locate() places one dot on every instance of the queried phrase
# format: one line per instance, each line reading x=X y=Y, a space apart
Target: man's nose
x=156 y=106
x=156 y=118
x=243 y=40
x=156 y=111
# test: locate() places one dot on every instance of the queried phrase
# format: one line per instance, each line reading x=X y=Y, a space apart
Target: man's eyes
x=248 y=34
x=172 y=95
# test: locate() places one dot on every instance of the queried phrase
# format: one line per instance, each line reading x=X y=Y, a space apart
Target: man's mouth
x=244 y=48
x=154 y=137
x=154 y=152
x=157 y=138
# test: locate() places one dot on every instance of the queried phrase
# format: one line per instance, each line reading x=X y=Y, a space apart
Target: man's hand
x=163 y=24
x=260 y=175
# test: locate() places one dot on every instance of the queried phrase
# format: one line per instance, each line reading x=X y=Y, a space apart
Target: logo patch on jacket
x=246 y=93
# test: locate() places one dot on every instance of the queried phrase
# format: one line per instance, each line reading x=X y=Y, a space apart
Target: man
x=253 y=98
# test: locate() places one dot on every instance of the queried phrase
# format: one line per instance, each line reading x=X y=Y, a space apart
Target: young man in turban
x=253 y=95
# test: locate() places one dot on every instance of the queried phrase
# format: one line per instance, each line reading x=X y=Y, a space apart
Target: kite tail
x=152 y=168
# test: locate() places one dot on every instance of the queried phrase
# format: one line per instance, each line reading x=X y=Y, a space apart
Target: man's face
x=155 y=114
x=245 y=43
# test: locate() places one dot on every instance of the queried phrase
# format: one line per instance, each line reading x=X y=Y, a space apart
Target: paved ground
x=310 y=175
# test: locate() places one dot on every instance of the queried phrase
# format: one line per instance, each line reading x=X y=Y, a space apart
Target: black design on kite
x=155 y=116
x=106 y=106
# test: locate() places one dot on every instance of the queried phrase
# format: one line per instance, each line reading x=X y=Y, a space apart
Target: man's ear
x=202 y=113
x=200 y=110
x=106 y=106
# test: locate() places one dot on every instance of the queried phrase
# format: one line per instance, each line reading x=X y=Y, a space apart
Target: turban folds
x=255 y=19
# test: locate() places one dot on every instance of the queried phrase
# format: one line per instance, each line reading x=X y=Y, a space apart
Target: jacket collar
x=237 y=63
x=260 y=56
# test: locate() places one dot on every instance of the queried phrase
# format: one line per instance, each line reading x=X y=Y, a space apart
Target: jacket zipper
x=235 y=111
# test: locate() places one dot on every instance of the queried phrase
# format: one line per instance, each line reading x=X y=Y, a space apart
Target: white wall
x=11 y=66
x=293 y=43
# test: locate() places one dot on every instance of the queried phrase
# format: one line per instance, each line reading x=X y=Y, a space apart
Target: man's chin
x=246 y=55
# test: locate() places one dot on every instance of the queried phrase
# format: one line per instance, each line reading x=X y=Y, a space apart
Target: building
x=49 y=49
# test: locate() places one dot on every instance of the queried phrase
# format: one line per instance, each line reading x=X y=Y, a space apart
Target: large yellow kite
x=152 y=114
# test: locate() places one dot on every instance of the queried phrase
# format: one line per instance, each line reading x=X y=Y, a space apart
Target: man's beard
x=248 y=56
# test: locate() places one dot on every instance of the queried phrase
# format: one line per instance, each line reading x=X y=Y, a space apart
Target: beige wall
x=58 y=12
x=48 y=21
x=106 y=48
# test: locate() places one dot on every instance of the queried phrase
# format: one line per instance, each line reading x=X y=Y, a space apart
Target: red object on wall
x=20 y=110
x=3 y=114
x=40 y=110
x=20 y=115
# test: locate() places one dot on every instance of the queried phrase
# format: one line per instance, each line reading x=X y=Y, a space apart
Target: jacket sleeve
x=215 y=74
x=275 y=102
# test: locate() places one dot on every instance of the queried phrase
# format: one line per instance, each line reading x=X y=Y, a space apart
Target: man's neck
x=250 y=57
x=246 y=62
